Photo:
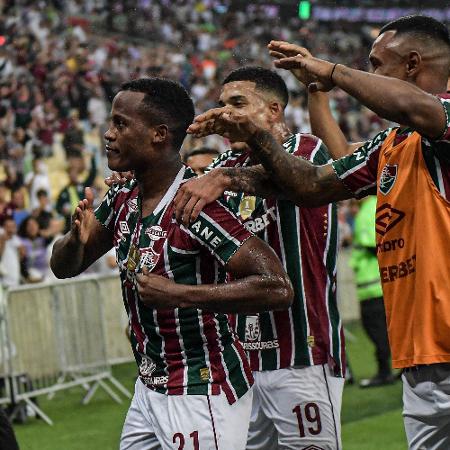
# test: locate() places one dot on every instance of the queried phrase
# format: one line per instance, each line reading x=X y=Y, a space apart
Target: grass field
x=371 y=418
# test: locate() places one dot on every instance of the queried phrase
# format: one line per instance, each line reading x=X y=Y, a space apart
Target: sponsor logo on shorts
x=388 y=178
x=399 y=270
x=155 y=233
x=266 y=345
x=313 y=447
x=387 y=218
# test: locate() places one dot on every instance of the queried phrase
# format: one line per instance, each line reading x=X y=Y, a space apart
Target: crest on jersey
x=388 y=178
x=149 y=258
x=155 y=232
x=147 y=366
x=132 y=204
x=247 y=206
x=252 y=328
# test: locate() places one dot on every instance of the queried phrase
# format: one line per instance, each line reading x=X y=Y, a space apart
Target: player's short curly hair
x=264 y=79
x=165 y=102
x=420 y=25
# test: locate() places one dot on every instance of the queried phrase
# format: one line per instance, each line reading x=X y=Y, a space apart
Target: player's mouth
x=111 y=151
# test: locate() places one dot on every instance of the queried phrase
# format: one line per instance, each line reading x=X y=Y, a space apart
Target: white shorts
x=185 y=422
x=296 y=408
x=426 y=407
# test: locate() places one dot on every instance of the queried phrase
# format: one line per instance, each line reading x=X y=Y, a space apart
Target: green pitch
x=371 y=418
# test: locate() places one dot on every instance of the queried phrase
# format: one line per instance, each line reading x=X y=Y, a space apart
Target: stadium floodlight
x=304 y=10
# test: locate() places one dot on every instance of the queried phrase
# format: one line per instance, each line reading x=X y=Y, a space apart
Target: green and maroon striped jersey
x=305 y=239
x=184 y=350
x=358 y=171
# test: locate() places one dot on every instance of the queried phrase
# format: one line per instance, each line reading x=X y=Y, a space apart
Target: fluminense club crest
x=147 y=366
x=252 y=328
x=388 y=178
x=149 y=258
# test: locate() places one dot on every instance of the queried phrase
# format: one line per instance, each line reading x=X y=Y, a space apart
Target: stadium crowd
x=62 y=62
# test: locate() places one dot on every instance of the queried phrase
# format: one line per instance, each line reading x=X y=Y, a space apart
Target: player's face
x=128 y=138
x=198 y=163
x=387 y=58
x=246 y=99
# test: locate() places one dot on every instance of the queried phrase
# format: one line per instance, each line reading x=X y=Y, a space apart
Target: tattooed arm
x=300 y=181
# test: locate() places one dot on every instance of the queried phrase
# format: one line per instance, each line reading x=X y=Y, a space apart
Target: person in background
x=12 y=252
x=34 y=263
x=17 y=205
x=37 y=180
x=70 y=195
x=199 y=159
x=369 y=291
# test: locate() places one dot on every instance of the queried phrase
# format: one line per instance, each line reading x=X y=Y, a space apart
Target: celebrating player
x=408 y=168
x=194 y=380
x=296 y=355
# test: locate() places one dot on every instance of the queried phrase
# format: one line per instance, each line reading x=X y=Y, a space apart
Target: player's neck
x=281 y=132
x=153 y=183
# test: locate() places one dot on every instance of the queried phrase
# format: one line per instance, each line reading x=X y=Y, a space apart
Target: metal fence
x=60 y=335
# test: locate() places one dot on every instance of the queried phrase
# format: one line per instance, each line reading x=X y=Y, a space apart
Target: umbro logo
x=387 y=218
x=313 y=447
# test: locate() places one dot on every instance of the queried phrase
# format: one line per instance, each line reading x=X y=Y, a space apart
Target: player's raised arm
x=87 y=241
x=299 y=180
x=393 y=99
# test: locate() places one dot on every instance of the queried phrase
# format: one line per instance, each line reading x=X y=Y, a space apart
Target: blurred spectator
x=17 y=205
x=199 y=159
x=37 y=180
x=73 y=141
x=12 y=252
x=369 y=291
x=5 y=207
x=70 y=195
x=35 y=265
x=43 y=212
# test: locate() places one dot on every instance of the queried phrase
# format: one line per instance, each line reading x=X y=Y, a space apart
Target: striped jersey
x=358 y=171
x=184 y=350
x=305 y=239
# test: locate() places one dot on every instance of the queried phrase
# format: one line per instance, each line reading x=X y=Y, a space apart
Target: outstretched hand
x=223 y=121
x=315 y=72
x=83 y=218
x=281 y=49
x=119 y=178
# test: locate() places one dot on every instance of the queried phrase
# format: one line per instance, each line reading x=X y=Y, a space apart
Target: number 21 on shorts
x=178 y=438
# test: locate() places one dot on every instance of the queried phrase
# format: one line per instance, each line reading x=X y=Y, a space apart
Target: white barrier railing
x=55 y=336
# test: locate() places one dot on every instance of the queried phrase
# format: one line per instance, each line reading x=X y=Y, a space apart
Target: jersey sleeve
x=106 y=210
x=219 y=231
x=228 y=159
x=445 y=137
x=358 y=171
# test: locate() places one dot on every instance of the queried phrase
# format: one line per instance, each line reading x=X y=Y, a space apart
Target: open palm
x=84 y=217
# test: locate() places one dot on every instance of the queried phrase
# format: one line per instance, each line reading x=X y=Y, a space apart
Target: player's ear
x=160 y=133
x=276 y=110
x=413 y=63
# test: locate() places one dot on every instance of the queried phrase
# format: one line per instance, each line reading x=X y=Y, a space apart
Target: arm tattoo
x=252 y=180
x=301 y=182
